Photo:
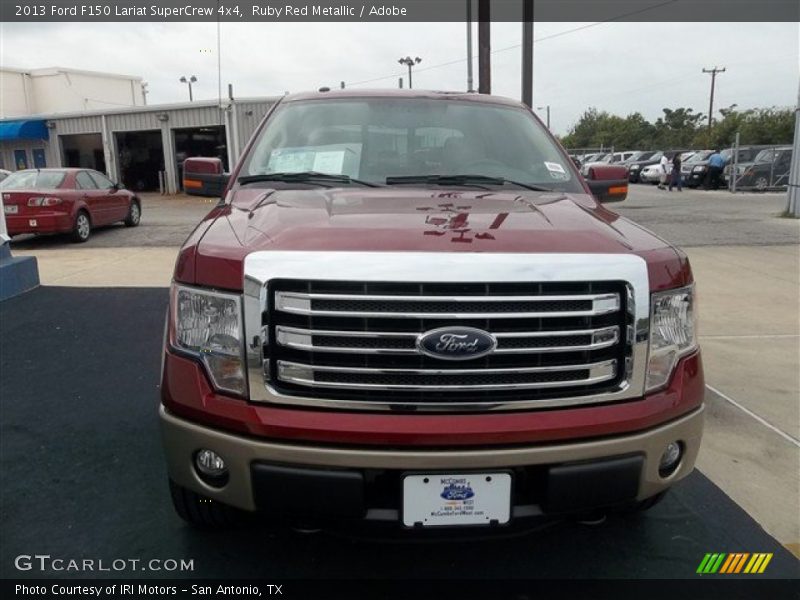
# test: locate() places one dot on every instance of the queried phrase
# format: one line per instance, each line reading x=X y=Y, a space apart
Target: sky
x=618 y=67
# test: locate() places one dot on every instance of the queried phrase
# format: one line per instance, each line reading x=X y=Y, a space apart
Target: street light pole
x=189 y=82
x=547 y=108
x=410 y=62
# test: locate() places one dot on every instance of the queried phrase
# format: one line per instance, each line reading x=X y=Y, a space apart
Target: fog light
x=211 y=467
x=670 y=459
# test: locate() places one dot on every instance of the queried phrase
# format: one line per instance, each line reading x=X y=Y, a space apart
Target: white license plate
x=456 y=499
x=11 y=209
x=32 y=222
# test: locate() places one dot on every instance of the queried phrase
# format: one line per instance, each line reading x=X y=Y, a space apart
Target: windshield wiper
x=312 y=177
x=481 y=180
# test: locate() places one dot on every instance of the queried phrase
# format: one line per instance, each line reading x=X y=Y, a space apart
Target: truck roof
x=398 y=93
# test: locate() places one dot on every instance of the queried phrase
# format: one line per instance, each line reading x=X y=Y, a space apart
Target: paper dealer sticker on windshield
x=556 y=170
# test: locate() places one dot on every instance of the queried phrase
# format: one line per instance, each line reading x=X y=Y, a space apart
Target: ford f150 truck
x=409 y=307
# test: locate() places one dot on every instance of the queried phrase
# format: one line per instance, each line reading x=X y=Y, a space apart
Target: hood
x=409 y=219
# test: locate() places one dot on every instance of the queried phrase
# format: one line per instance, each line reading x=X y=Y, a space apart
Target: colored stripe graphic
x=727 y=564
x=734 y=563
x=711 y=563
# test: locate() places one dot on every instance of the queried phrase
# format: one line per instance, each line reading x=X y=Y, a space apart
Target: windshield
x=700 y=156
x=33 y=180
x=372 y=139
x=765 y=155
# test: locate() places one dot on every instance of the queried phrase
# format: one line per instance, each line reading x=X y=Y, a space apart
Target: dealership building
x=141 y=146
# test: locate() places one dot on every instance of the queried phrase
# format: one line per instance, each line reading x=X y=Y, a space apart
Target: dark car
x=635 y=167
x=770 y=169
x=638 y=156
x=695 y=168
x=65 y=201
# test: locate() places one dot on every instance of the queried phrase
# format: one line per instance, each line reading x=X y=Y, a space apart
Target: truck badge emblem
x=456 y=343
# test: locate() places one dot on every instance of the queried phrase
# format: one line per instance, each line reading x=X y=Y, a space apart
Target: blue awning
x=23 y=130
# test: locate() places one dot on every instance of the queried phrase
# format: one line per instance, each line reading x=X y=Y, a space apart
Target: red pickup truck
x=409 y=307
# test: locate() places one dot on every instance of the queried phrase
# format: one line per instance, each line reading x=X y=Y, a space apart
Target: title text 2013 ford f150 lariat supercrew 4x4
x=409 y=307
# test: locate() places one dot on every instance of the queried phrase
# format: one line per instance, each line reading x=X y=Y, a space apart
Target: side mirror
x=608 y=183
x=204 y=177
x=115 y=187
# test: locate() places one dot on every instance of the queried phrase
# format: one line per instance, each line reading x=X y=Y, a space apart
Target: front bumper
x=694 y=179
x=363 y=482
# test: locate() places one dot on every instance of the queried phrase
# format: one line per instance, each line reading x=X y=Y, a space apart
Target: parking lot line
x=749 y=412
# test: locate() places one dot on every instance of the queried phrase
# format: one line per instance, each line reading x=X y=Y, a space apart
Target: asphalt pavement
x=83 y=476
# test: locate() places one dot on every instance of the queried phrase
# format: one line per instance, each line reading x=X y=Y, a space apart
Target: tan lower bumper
x=183 y=438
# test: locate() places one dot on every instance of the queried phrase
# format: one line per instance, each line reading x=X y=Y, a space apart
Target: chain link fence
x=759 y=168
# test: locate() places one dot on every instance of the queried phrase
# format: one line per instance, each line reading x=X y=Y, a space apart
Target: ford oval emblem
x=456 y=343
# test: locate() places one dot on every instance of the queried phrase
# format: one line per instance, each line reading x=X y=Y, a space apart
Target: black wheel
x=762 y=183
x=637 y=508
x=134 y=214
x=200 y=511
x=82 y=228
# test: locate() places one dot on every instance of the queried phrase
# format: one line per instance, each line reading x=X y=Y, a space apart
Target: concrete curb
x=17 y=274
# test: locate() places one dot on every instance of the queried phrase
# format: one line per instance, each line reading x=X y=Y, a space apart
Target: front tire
x=200 y=511
x=82 y=228
x=134 y=214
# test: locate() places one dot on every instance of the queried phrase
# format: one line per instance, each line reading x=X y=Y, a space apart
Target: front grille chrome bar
x=303 y=304
x=303 y=374
x=285 y=326
x=303 y=339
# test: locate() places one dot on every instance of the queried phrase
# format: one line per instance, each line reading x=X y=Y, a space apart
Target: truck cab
x=410 y=308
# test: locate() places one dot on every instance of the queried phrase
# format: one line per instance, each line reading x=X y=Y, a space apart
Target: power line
x=506 y=48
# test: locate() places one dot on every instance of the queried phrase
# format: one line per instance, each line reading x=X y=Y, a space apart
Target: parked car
x=411 y=309
x=770 y=169
x=638 y=156
x=609 y=159
x=71 y=201
x=694 y=168
x=591 y=158
x=746 y=157
x=652 y=172
x=636 y=167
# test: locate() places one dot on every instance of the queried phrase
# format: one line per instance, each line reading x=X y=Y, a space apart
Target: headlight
x=208 y=325
x=699 y=168
x=635 y=167
x=673 y=333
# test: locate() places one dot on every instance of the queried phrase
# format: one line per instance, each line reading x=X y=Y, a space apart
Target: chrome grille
x=357 y=340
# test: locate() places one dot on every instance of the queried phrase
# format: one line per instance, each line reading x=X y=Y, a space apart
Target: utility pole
x=713 y=73
x=470 y=87
x=484 y=48
x=527 y=52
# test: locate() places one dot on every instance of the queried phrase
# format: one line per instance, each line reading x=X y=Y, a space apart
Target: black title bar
x=395 y=10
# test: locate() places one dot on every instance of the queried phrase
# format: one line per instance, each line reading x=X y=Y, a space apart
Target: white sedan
x=652 y=173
